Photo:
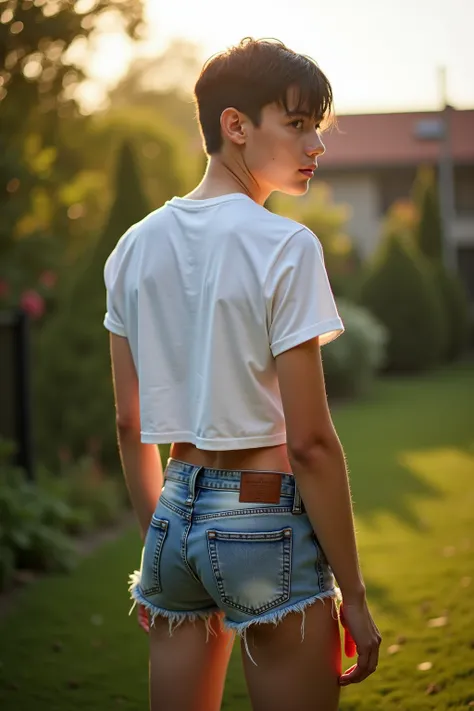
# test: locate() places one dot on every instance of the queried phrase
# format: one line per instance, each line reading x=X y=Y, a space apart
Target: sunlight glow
x=436 y=465
x=378 y=56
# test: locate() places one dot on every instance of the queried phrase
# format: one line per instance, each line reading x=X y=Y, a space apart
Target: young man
x=218 y=309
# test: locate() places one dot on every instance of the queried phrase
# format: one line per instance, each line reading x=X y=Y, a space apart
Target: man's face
x=281 y=148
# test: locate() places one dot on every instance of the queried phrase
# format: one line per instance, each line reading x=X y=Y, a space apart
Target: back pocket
x=150 y=582
x=252 y=570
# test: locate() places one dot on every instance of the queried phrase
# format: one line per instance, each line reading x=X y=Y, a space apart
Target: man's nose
x=317 y=147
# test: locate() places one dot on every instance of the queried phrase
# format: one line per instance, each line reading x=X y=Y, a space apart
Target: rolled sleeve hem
x=114 y=327
x=326 y=330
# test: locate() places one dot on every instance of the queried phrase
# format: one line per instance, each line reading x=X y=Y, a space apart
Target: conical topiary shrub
x=456 y=303
x=428 y=236
x=429 y=228
x=399 y=290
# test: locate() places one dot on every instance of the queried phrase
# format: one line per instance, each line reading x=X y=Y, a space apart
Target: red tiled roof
x=389 y=139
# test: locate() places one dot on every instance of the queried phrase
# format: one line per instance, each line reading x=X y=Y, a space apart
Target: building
x=371 y=160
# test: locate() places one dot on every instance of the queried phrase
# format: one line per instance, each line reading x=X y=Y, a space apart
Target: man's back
x=194 y=287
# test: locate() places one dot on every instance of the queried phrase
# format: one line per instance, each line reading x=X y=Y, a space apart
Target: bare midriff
x=259 y=459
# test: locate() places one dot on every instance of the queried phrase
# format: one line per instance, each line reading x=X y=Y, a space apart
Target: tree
x=74 y=393
x=428 y=237
x=129 y=206
x=166 y=165
x=38 y=81
x=11 y=176
x=456 y=302
x=399 y=290
x=429 y=229
x=35 y=39
x=27 y=262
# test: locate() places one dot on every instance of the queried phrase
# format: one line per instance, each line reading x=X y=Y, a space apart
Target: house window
x=393 y=185
x=464 y=190
x=466 y=268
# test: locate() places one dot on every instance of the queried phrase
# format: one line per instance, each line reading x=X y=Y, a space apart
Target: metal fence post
x=15 y=387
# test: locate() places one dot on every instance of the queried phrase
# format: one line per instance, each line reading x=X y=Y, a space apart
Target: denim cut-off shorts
x=205 y=552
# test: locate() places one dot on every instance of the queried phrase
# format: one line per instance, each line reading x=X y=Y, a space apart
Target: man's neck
x=225 y=176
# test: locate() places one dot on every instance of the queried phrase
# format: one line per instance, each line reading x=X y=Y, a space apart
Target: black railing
x=15 y=387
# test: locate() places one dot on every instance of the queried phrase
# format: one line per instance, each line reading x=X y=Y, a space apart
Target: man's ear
x=233 y=126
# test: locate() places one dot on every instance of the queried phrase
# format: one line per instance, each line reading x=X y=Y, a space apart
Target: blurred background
x=97 y=128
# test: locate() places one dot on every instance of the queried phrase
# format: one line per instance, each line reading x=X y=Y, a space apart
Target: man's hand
x=361 y=637
x=143 y=619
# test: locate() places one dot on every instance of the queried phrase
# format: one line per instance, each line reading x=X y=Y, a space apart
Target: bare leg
x=294 y=674
x=186 y=672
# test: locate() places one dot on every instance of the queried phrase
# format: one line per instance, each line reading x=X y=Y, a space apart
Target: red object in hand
x=350 y=648
x=143 y=618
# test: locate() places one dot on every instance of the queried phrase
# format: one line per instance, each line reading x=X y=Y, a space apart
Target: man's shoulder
x=140 y=228
x=124 y=247
x=264 y=221
x=149 y=222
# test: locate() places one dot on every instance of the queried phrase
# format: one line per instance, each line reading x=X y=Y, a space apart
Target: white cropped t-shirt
x=208 y=293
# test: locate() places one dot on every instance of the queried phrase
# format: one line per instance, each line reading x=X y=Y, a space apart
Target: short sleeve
x=113 y=320
x=299 y=300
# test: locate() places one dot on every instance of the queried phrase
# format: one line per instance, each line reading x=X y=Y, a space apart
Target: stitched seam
x=184 y=541
x=243 y=512
x=176 y=509
x=162 y=531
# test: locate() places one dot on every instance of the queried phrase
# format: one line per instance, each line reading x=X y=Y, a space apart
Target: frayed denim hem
x=175 y=619
x=275 y=617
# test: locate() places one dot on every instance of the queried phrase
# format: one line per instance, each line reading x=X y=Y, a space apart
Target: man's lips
x=309 y=172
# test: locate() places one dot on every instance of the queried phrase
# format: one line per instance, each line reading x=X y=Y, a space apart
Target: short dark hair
x=251 y=75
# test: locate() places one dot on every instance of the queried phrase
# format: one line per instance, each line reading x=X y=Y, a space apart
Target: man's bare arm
x=141 y=463
x=319 y=467
x=318 y=462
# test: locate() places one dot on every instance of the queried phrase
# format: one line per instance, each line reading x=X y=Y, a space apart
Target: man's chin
x=297 y=189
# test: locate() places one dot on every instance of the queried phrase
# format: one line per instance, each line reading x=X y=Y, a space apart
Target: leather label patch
x=260 y=487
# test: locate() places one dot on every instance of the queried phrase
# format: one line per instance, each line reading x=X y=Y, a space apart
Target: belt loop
x=192 y=485
x=297 y=502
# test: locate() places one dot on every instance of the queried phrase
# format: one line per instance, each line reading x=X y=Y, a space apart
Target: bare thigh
x=186 y=672
x=294 y=674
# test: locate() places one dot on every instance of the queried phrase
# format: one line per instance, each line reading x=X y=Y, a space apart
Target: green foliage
x=127 y=183
x=21 y=261
x=74 y=394
x=352 y=361
x=347 y=277
x=160 y=151
x=54 y=162
x=95 y=500
x=429 y=230
x=12 y=172
x=39 y=78
x=34 y=43
x=35 y=229
x=399 y=290
x=37 y=519
x=32 y=525
x=456 y=303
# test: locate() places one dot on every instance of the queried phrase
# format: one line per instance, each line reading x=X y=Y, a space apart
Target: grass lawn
x=69 y=644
